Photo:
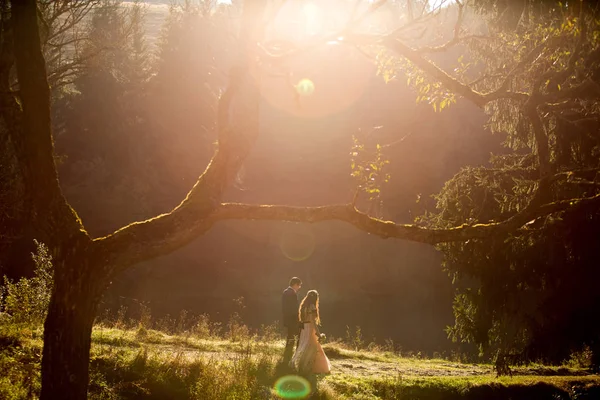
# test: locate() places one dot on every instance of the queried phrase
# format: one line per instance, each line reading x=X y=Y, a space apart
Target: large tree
x=526 y=296
x=85 y=265
x=61 y=37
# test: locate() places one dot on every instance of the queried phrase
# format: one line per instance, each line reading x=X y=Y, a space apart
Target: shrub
x=237 y=331
x=581 y=358
x=182 y=322
x=121 y=321
x=166 y=324
x=204 y=328
x=355 y=341
x=269 y=333
x=27 y=300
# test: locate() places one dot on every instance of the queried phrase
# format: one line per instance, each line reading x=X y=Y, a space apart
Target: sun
x=313 y=18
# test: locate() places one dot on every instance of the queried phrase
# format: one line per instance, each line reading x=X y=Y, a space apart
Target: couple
x=303 y=322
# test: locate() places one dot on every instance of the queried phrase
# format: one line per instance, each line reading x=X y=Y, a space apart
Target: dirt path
x=347 y=366
x=395 y=369
x=364 y=367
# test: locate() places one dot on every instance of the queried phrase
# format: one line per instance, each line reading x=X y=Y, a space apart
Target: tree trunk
x=68 y=329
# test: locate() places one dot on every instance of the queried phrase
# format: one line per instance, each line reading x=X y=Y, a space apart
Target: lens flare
x=292 y=387
x=297 y=242
x=305 y=87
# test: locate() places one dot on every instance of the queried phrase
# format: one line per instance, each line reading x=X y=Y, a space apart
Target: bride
x=310 y=357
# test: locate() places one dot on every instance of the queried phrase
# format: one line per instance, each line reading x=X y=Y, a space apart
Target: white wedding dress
x=309 y=357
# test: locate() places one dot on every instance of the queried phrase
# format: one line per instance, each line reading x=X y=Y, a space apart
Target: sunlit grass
x=107 y=336
x=137 y=363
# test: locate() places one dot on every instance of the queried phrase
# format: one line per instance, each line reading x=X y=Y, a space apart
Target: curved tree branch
x=165 y=233
x=389 y=229
x=450 y=83
x=238 y=131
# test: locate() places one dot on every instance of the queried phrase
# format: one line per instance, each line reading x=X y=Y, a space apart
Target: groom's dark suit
x=289 y=302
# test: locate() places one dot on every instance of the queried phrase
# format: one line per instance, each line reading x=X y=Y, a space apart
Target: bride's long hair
x=311 y=298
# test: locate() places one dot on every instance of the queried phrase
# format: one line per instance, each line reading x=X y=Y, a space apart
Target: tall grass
x=149 y=372
x=192 y=357
x=158 y=366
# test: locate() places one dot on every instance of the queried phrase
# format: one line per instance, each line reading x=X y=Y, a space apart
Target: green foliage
x=269 y=333
x=355 y=340
x=204 y=328
x=121 y=321
x=19 y=363
x=237 y=331
x=145 y=321
x=526 y=295
x=27 y=300
x=368 y=169
x=545 y=45
x=581 y=359
x=182 y=322
x=389 y=66
x=522 y=296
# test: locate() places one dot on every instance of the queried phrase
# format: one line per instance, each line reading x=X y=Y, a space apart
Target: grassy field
x=148 y=364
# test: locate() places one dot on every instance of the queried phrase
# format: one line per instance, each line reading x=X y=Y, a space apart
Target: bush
x=27 y=300
x=581 y=358
x=355 y=341
x=269 y=333
x=237 y=331
x=204 y=328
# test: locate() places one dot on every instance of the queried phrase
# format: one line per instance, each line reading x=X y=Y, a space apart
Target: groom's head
x=295 y=283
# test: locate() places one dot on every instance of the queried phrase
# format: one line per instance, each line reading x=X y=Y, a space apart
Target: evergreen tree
x=530 y=294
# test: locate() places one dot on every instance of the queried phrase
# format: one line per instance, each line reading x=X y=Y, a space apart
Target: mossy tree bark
x=68 y=327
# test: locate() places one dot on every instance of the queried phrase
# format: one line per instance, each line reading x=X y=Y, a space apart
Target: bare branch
x=77 y=11
x=71 y=41
x=455 y=39
x=72 y=68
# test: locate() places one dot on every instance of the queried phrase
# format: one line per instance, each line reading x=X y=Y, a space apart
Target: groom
x=291 y=322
